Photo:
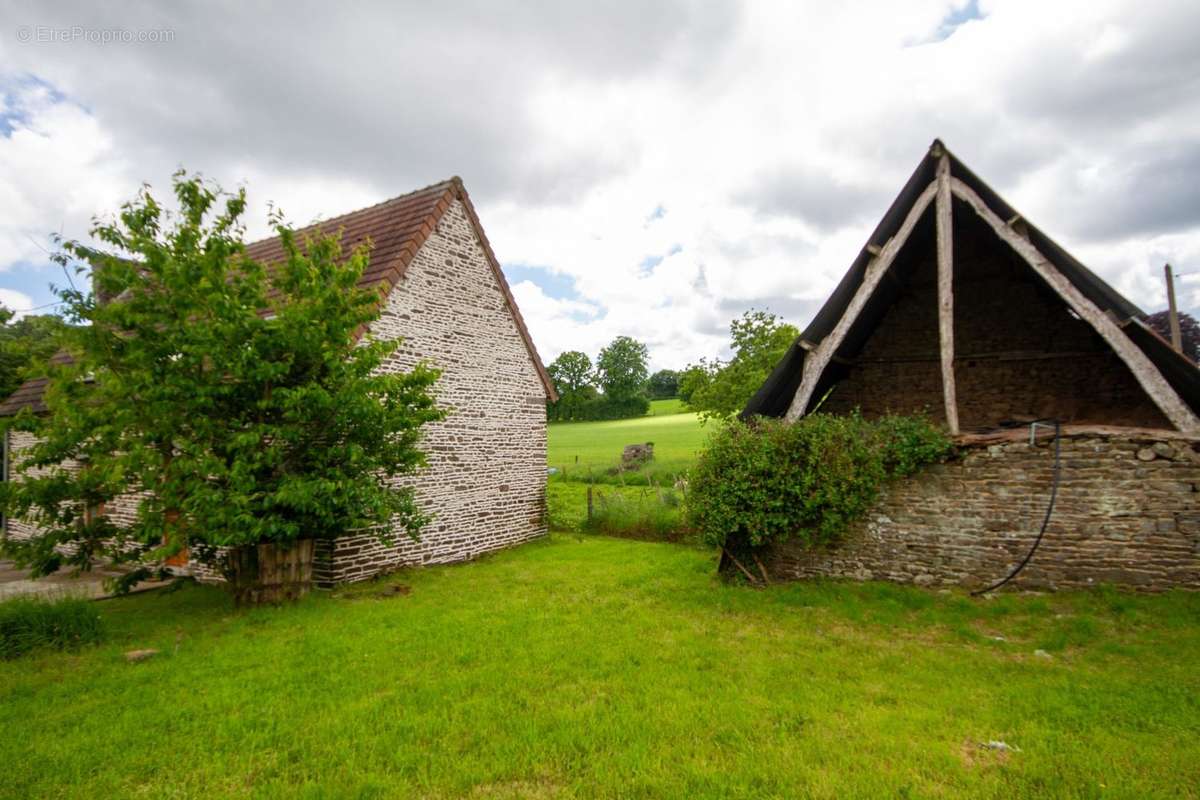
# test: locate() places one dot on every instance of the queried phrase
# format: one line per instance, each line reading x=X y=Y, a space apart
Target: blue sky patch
x=552 y=284
x=956 y=17
x=34 y=278
x=14 y=113
x=650 y=262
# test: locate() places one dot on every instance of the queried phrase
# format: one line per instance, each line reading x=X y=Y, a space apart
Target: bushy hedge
x=597 y=408
x=29 y=623
x=764 y=481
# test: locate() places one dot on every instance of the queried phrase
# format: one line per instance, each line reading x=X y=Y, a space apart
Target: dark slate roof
x=776 y=393
x=396 y=229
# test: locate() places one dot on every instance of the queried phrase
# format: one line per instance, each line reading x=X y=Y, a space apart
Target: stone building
x=446 y=299
x=959 y=308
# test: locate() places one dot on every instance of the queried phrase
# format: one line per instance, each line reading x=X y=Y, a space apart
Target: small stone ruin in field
x=634 y=455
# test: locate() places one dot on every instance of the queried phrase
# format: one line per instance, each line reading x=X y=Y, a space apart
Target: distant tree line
x=618 y=385
x=613 y=388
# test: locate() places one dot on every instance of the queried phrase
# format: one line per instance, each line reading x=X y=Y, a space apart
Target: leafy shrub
x=30 y=623
x=654 y=515
x=909 y=443
x=766 y=481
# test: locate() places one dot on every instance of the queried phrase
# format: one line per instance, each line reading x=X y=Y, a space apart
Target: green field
x=659 y=408
x=600 y=668
x=576 y=447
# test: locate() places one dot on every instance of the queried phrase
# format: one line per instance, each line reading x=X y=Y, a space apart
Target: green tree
x=572 y=376
x=759 y=341
x=621 y=369
x=235 y=404
x=693 y=378
x=25 y=347
x=663 y=384
x=571 y=371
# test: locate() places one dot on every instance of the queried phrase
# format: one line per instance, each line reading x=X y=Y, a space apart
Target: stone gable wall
x=1127 y=513
x=486 y=480
x=18 y=442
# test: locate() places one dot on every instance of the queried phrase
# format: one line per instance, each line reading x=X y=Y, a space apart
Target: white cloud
x=772 y=135
x=59 y=168
x=16 y=301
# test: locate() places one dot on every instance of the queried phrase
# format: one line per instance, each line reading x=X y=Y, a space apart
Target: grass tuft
x=650 y=515
x=28 y=624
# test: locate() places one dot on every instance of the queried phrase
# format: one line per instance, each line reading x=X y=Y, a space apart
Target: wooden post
x=945 y=266
x=270 y=572
x=589 y=503
x=1173 y=313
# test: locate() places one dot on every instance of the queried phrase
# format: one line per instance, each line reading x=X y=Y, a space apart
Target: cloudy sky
x=642 y=168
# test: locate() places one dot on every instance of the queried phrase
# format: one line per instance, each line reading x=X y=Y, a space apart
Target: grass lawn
x=677 y=438
x=594 y=667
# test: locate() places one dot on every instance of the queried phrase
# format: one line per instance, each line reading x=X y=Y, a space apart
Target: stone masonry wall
x=486 y=481
x=18 y=442
x=122 y=510
x=1019 y=351
x=1128 y=513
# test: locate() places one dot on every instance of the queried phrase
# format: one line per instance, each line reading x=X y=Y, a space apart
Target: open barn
x=1049 y=379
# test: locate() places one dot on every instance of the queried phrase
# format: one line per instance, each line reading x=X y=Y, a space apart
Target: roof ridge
x=453 y=181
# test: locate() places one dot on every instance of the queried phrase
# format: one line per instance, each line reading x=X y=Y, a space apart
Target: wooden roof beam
x=819 y=357
x=1147 y=375
x=945 y=286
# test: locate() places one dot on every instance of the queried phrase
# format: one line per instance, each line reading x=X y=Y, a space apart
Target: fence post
x=589 y=501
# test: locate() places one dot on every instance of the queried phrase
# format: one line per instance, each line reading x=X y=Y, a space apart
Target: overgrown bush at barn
x=765 y=481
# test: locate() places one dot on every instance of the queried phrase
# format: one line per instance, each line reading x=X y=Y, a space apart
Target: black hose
x=1045 y=521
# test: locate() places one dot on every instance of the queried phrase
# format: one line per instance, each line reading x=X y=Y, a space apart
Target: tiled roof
x=396 y=229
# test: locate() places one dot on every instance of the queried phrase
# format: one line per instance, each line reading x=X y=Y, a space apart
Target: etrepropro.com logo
x=81 y=34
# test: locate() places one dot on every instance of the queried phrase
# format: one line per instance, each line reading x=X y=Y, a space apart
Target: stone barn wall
x=1019 y=351
x=486 y=481
x=122 y=510
x=1128 y=513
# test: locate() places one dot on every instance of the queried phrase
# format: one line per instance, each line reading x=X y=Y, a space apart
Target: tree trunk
x=270 y=572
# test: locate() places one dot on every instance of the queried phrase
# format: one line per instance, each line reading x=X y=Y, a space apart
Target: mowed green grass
x=576 y=447
x=590 y=667
x=660 y=408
